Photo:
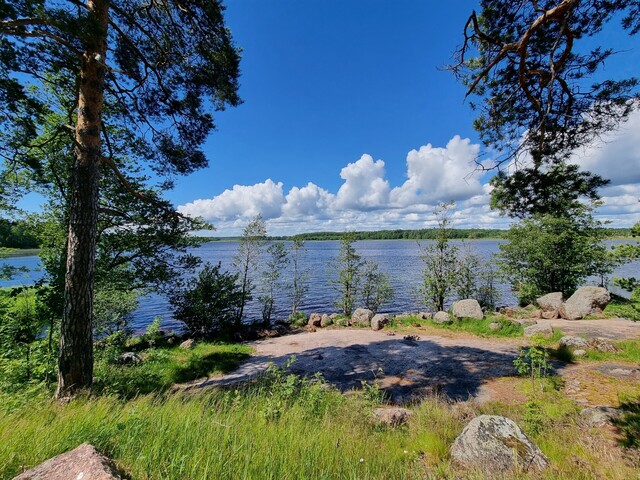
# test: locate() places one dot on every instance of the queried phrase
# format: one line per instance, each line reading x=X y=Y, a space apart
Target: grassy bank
x=284 y=428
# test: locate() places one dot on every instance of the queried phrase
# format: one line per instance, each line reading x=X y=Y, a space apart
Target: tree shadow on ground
x=407 y=370
x=629 y=424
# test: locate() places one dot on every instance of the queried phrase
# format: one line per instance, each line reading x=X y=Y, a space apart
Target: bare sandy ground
x=458 y=366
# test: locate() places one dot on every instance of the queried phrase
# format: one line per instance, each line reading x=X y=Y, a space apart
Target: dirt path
x=459 y=366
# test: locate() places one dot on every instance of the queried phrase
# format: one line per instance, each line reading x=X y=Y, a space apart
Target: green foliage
x=17 y=234
x=277 y=260
x=556 y=100
x=440 y=261
x=208 y=304
x=623 y=308
x=376 y=289
x=557 y=191
x=153 y=332
x=112 y=311
x=533 y=416
x=246 y=259
x=298 y=319
x=347 y=268
x=372 y=392
x=628 y=253
x=534 y=363
x=26 y=356
x=299 y=276
x=552 y=254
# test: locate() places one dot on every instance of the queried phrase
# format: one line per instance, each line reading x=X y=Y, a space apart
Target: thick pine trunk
x=75 y=360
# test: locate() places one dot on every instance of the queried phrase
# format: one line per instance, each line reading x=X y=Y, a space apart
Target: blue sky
x=349 y=122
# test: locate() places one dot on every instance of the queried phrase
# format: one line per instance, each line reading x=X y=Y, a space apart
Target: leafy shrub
x=298 y=319
x=209 y=304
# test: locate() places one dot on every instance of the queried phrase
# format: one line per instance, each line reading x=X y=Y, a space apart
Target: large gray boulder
x=539 y=329
x=550 y=301
x=442 y=317
x=468 y=308
x=496 y=444
x=362 y=316
x=585 y=301
x=379 y=321
x=82 y=462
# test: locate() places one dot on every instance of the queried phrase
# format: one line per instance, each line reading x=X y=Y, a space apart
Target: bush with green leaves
x=277 y=259
x=553 y=254
x=376 y=288
x=26 y=353
x=112 y=311
x=208 y=304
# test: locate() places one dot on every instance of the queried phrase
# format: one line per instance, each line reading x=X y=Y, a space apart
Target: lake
x=399 y=258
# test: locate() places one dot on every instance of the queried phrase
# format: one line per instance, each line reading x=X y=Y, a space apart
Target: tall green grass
x=165 y=366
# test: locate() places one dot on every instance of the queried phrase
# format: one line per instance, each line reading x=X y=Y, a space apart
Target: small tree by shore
x=376 y=289
x=347 y=267
x=246 y=259
x=299 y=276
x=277 y=260
x=440 y=262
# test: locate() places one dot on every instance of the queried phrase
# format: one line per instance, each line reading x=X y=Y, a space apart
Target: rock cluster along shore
x=585 y=301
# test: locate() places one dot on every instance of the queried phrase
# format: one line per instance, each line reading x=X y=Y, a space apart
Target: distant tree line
x=421 y=234
x=17 y=234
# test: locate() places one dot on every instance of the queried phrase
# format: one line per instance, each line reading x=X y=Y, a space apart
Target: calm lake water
x=399 y=258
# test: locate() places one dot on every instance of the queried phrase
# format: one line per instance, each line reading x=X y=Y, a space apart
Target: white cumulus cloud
x=242 y=201
x=364 y=185
x=308 y=201
x=439 y=174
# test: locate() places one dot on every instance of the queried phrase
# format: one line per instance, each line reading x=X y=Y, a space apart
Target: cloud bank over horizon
x=366 y=201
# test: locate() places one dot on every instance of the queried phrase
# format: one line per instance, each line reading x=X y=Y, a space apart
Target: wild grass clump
x=281 y=427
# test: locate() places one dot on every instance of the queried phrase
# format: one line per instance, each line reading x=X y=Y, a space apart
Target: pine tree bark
x=75 y=360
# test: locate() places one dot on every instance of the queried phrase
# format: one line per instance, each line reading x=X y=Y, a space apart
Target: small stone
x=599 y=416
x=187 y=344
x=573 y=342
x=326 y=320
x=495 y=326
x=393 y=417
x=379 y=321
x=129 y=358
x=524 y=322
x=602 y=345
x=579 y=353
x=539 y=329
x=550 y=314
x=315 y=320
x=442 y=317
